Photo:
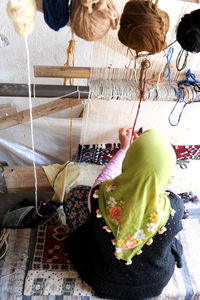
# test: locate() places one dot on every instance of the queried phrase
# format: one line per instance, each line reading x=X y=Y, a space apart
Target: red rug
x=102 y=154
x=48 y=249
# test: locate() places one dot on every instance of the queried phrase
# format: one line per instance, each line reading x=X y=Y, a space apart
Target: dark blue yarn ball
x=56 y=13
x=188 y=32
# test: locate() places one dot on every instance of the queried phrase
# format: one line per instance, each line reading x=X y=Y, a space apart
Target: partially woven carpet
x=102 y=154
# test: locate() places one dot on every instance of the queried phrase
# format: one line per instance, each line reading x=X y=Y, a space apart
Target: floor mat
x=11 y=287
x=50 y=270
x=49 y=277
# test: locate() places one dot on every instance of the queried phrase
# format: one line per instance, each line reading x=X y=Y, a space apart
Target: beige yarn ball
x=22 y=12
x=92 y=19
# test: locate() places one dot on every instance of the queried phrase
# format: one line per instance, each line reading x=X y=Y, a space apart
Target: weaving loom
x=108 y=93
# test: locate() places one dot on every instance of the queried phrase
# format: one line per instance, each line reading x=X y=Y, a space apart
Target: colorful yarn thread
x=70 y=62
x=179 y=93
x=145 y=64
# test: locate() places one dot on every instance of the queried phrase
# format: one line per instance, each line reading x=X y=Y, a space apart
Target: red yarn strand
x=141 y=98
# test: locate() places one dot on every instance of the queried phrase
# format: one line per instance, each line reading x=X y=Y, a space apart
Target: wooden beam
x=21 y=179
x=43 y=90
x=37 y=112
x=7 y=110
x=61 y=72
x=195 y=1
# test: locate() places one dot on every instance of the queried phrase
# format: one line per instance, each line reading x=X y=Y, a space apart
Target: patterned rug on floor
x=102 y=154
x=51 y=272
x=11 y=285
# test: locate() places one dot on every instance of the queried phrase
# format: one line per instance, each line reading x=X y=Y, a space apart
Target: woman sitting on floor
x=127 y=248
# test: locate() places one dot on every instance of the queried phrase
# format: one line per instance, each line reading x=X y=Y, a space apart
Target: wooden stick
x=21 y=179
x=43 y=90
x=7 y=110
x=37 y=112
x=61 y=72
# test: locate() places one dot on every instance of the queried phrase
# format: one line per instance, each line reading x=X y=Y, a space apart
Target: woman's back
x=92 y=253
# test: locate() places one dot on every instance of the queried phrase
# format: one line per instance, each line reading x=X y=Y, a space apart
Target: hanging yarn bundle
x=92 y=19
x=22 y=12
x=143 y=26
x=188 y=36
x=56 y=13
x=188 y=32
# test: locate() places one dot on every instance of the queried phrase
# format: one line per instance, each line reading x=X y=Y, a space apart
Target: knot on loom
x=188 y=31
x=145 y=64
x=91 y=19
x=94 y=5
x=143 y=26
x=22 y=12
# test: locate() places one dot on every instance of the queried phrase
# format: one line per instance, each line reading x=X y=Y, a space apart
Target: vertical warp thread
x=31 y=123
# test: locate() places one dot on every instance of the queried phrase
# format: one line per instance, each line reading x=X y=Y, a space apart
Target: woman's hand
x=125 y=137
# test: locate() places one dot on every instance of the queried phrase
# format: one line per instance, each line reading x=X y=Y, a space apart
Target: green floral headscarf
x=134 y=205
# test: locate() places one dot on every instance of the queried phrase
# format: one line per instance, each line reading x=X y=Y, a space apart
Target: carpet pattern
x=102 y=154
x=183 y=284
x=48 y=251
x=58 y=284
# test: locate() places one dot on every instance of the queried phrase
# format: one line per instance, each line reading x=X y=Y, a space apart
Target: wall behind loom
x=48 y=47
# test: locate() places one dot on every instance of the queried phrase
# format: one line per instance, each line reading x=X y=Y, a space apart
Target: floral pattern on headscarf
x=134 y=205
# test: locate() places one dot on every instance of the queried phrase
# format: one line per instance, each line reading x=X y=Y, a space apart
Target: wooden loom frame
x=21 y=179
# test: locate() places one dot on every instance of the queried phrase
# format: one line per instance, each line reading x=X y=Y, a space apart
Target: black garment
x=92 y=253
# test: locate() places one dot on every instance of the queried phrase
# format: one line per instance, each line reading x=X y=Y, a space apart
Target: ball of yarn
x=39 y=5
x=92 y=19
x=188 y=32
x=56 y=13
x=22 y=12
x=143 y=26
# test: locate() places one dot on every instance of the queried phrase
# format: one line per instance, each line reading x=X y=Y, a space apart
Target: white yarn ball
x=22 y=12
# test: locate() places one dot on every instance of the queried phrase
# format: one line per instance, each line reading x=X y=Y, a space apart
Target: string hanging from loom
x=31 y=124
x=23 y=15
x=179 y=58
x=70 y=58
x=179 y=92
x=145 y=64
x=70 y=62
